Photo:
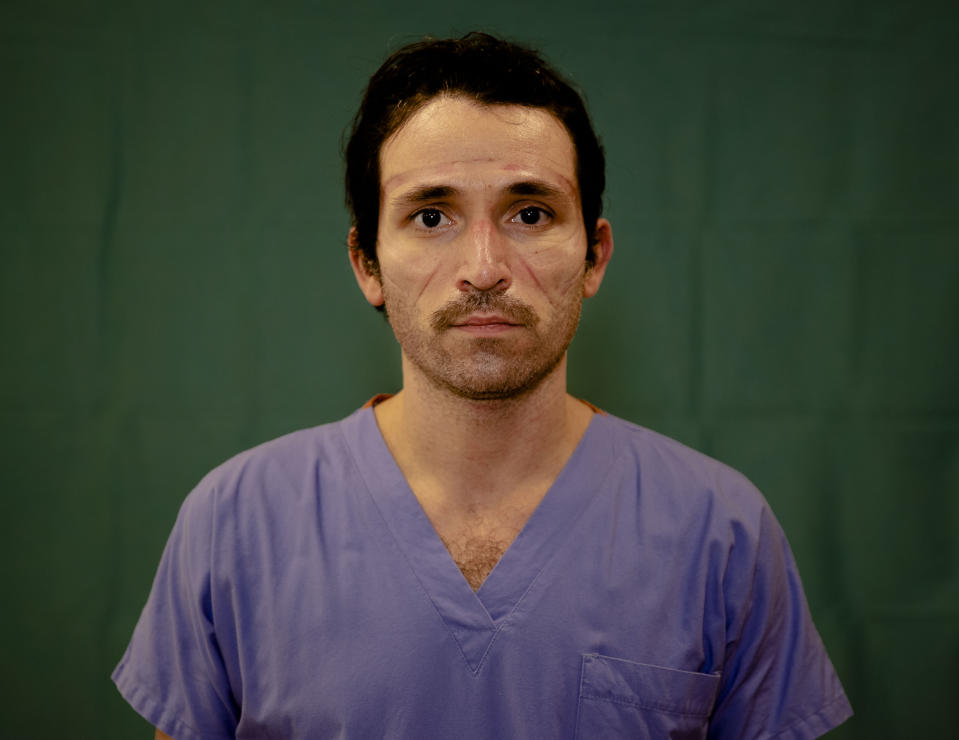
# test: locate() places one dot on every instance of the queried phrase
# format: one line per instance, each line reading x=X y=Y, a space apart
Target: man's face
x=481 y=246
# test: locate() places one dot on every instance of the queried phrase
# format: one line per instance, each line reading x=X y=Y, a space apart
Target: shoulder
x=284 y=455
x=686 y=500
x=277 y=474
x=669 y=470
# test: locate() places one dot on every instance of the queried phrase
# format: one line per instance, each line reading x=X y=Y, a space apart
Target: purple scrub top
x=303 y=593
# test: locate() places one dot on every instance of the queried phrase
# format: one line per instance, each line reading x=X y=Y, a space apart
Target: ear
x=602 y=251
x=367 y=274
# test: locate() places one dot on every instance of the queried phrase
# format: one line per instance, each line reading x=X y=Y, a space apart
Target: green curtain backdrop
x=784 y=190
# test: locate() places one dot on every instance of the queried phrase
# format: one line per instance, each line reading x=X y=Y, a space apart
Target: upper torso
x=338 y=611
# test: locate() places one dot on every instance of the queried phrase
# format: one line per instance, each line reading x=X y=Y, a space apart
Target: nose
x=485 y=263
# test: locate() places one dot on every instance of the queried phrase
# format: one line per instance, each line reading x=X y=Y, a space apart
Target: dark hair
x=489 y=70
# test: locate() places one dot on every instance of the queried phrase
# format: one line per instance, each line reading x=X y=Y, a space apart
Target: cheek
x=408 y=280
x=556 y=273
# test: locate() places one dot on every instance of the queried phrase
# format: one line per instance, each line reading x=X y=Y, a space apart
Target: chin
x=496 y=384
x=502 y=393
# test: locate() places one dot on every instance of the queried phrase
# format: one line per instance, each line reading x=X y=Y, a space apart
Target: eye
x=531 y=216
x=430 y=218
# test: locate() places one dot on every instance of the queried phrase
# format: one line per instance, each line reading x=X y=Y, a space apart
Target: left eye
x=430 y=218
x=531 y=216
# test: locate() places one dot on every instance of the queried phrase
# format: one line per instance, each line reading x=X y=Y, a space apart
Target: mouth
x=484 y=313
x=485 y=324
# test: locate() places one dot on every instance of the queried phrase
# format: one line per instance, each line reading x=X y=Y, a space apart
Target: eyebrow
x=428 y=193
x=535 y=188
x=423 y=194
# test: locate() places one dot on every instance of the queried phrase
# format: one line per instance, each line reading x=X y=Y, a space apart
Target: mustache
x=455 y=311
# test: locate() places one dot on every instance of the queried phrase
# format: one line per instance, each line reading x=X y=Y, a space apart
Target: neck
x=460 y=452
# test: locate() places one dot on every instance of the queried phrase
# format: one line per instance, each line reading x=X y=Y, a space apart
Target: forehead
x=455 y=138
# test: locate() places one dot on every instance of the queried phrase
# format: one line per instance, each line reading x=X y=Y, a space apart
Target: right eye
x=430 y=218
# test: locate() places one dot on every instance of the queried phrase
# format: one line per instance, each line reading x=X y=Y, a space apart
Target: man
x=480 y=555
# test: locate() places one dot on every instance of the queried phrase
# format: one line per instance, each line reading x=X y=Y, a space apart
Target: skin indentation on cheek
x=573 y=282
x=428 y=281
x=394 y=277
x=531 y=273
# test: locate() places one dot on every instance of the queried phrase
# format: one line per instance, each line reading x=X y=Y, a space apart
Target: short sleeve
x=173 y=672
x=778 y=681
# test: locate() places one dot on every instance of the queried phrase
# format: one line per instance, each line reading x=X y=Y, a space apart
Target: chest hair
x=475 y=557
x=477 y=544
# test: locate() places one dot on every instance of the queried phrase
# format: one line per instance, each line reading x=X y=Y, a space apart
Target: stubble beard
x=484 y=368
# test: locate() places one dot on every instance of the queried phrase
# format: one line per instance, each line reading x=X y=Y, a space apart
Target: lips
x=486 y=321
x=484 y=325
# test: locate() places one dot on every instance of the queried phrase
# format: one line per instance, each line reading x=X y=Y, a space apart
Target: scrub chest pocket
x=620 y=698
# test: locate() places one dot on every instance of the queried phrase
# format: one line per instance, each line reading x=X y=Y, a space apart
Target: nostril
x=483 y=285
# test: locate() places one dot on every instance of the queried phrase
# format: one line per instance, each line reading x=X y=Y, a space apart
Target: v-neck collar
x=475 y=618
